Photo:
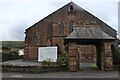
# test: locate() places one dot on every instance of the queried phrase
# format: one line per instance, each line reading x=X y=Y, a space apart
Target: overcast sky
x=18 y=15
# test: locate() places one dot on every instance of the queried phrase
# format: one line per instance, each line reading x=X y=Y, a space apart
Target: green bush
x=93 y=66
x=47 y=62
x=14 y=53
x=62 y=59
x=116 y=55
x=11 y=56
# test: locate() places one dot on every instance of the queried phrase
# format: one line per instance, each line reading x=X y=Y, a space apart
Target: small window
x=71 y=8
x=61 y=27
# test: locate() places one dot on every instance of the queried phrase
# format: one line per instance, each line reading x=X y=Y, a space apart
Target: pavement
x=80 y=74
x=85 y=73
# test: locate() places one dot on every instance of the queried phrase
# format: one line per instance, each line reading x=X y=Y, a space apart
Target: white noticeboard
x=45 y=53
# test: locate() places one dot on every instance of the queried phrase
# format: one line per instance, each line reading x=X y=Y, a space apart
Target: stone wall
x=108 y=64
x=72 y=57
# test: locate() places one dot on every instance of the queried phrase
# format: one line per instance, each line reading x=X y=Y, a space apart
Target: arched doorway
x=87 y=57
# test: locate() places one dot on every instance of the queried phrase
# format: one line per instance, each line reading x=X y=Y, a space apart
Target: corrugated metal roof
x=89 y=32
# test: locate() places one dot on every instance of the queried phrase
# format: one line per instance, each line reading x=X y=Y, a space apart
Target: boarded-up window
x=61 y=27
x=70 y=27
x=49 y=30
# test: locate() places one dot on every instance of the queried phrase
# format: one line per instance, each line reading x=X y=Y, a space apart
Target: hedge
x=7 y=57
x=116 y=55
x=32 y=69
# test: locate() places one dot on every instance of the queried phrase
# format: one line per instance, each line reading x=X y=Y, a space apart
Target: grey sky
x=119 y=20
x=17 y=15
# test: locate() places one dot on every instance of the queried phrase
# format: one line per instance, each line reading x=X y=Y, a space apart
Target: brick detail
x=72 y=57
x=108 y=61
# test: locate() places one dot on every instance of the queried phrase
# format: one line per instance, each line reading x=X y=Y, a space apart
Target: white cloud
x=17 y=15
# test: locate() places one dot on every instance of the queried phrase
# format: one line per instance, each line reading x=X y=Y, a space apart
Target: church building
x=76 y=30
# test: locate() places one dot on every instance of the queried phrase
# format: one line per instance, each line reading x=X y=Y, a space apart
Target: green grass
x=13 y=44
x=93 y=65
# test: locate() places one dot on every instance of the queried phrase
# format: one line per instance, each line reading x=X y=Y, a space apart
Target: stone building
x=73 y=28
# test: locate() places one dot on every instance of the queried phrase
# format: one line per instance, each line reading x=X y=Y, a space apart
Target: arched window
x=71 y=8
x=61 y=27
x=49 y=30
x=70 y=27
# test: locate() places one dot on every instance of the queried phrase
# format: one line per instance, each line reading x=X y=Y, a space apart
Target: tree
x=116 y=55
